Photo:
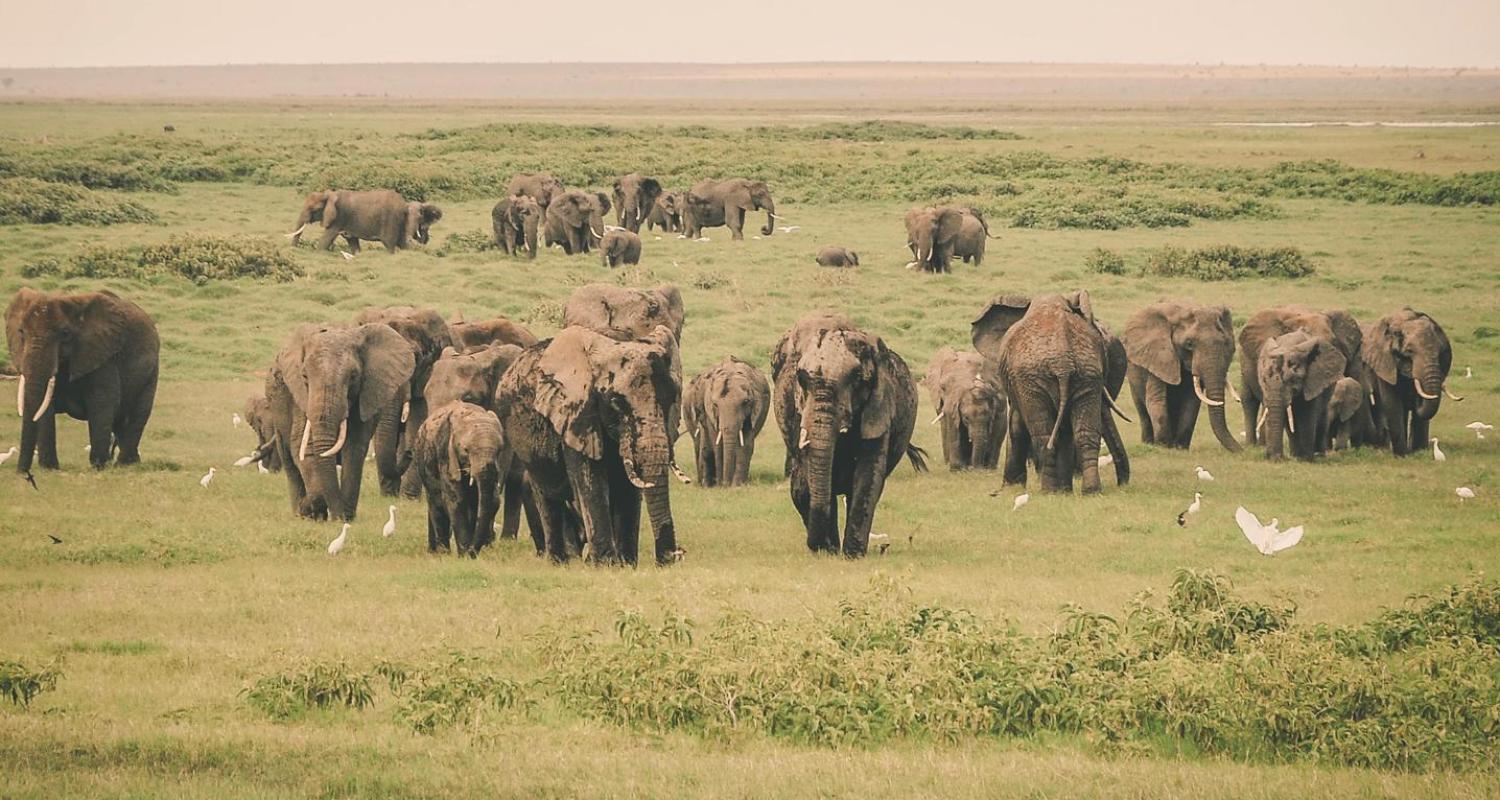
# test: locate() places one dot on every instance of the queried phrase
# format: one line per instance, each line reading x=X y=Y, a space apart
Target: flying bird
x=1477 y=427
x=1203 y=474
x=1464 y=493
x=390 y=524
x=789 y=228
x=1021 y=500
x=1437 y=453
x=338 y=544
x=1191 y=509
x=1266 y=538
x=208 y=478
x=7 y=455
x=237 y=420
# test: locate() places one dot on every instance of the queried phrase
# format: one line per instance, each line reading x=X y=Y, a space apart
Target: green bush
x=1227 y=262
x=21 y=684
x=456 y=692
x=284 y=696
x=467 y=242
x=198 y=258
x=28 y=200
x=1104 y=262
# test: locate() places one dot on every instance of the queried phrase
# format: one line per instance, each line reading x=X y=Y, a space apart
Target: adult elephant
x=517 y=221
x=380 y=214
x=575 y=220
x=588 y=418
x=329 y=389
x=1332 y=342
x=635 y=196
x=428 y=334
x=973 y=236
x=497 y=330
x=623 y=313
x=666 y=213
x=932 y=234
x=539 y=186
x=725 y=409
x=846 y=405
x=965 y=389
x=1410 y=356
x=92 y=356
x=1179 y=357
x=1054 y=363
x=713 y=203
x=258 y=417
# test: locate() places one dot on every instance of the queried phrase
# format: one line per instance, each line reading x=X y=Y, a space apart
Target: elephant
x=92 y=356
x=965 y=389
x=635 y=196
x=1056 y=368
x=846 y=405
x=1339 y=338
x=1179 y=357
x=972 y=237
x=461 y=455
x=516 y=221
x=499 y=330
x=932 y=234
x=623 y=313
x=575 y=220
x=1343 y=407
x=1296 y=372
x=620 y=247
x=379 y=214
x=730 y=397
x=588 y=418
x=1410 y=356
x=328 y=390
x=834 y=256
x=710 y=204
x=258 y=417
x=428 y=334
x=539 y=186
x=666 y=213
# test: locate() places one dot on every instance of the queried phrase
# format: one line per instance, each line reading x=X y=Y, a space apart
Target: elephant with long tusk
x=1410 y=356
x=1179 y=356
x=714 y=203
x=574 y=220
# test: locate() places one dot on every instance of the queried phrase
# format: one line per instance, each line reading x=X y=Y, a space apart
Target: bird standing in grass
x=1021 y=500
x=1266 y=538
x=1464 y=493
x=208 y=478
x=390 y=524
x=8 y=454
x=338 y=543
x=1191 y=509
x=261 y=466
x=1437 y=452
x=237 y=420
x=1203 y=474
x=244 y=461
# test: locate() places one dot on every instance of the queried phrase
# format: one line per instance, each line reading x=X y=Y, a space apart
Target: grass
x=167 y=600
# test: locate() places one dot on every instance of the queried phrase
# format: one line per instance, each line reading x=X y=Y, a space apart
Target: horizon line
x=772 y=63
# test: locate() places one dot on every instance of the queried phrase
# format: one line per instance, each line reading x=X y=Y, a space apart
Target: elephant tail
x=1062 y=410
x=918 y=457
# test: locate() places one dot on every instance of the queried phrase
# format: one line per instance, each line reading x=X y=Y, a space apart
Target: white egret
x=237 y=420
x=1191 y=509
x=789 y=228
x=338 y=544
x=390 y=524
x=1479 y=428
x=1437 y=452
x=245 y=460
x=208 y=478
x=1203 y=474
x=1021 y=500
x=261 y=466
x=1468 y=373
x=1464 y=493
x=8 y=454
x=1266 y=538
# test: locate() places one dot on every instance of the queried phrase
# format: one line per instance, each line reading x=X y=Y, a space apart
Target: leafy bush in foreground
x=1104 y=262
x=21 y=684
x=284 y=696
x=28 y=200
x=196 y=257
x=467 y=242
x=1227 y=262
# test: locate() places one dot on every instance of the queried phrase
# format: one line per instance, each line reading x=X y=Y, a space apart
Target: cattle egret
x=757 y=236
x=207 y=479
x=348 y=256
x=702 y=239
x=245 y=461
x=1437 y=452
x=1479 y=428
x=657 y=238
x=390 y=524
x=338 y=544
x=789 y=228
x=1191 y=509
x=1203 y=474
x=1105 y=461
x=237 y=420
x=1266 y=538
x=1021 y=500
x=1464 y=493
x=1468 y=372
x=7 y=455
x=261 y=465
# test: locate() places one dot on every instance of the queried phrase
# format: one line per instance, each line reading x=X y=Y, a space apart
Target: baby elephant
x=725 y=408
x=1343 y=408
x=620 y=247
x=833 y=256
x=461 y=456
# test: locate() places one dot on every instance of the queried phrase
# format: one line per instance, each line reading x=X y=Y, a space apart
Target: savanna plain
x=200 y=642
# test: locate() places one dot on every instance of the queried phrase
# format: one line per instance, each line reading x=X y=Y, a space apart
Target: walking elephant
x=834 y=256
x=635 y=196
x=1305 y=370
x=666 y=213
x=575 y=221
x=460 y=454
x=932 y=234
x=516 y=222
x=588 y=418
x=620 y=247
x=1054 y=364
x=329 y=389
x=499 y=330
x=724 y=409
x=965 y=389
x=539 y=186
x=1179 y=357
x=92 y=356
x=1410 y=356
x=846 y=405
x=623 y=313
x=258 y=417
x=1343 y=408
x=428 y=334
x=710 y=204
x=379 y=215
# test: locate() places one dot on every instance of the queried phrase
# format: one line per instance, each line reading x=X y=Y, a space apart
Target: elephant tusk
x=1198 y=390
x=1232 y=392
x=1116 y=408
x=337 y=445
x=1291 y=419
x=405 y=411
x=1260 y=419
x=679 y=474
x=803 y=441
x=1451 y=396
x=306 y=434
x=597 y=234
x=297 y=232
x=719 y=438
x=937 y=418
x=1372 y=398
x=46 y=399
x=1420 y=393
x=742 y=437
x=21 y=397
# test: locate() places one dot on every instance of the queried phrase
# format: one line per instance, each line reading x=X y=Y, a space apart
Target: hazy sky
x=64 y=33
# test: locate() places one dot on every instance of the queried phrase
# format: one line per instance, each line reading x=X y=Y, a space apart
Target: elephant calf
x=1343 y=412
x=834 y=256
x=620 y=247
x=730 y=397
x=258 y=417
x=965 y=390
x=666 y=213
x=461 y=455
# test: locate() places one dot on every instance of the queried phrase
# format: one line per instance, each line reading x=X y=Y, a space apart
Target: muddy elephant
x=461 y=456
x=379 y=215
x=965 y=390
x=973 y=236
x=1179 y=360
x=92 y=356
x=539 y=186
x=498 y=330
x=1304 y=370
x=620 y=247
x=932 y=234
x=710 y=204
x=587 y=417
x=835 y=256
x=1343 y=407
x=846 y=405
x=624 y=313
x=428 y=334
x=635 y=196
x=1055 y=368
x=575 y=221
x=517 y=222
x=724 y=409
x=1410 y=356
x=329 y=389
x=258 y=417
x=666 y=213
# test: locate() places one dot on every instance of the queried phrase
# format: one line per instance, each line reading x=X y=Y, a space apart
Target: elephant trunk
x=647 y=467
x=389 y=447
x=35 y=395
x=488 y=480
x=1427 y=380
x=303 y=220
x=1214 y=385
x=770 y=209
x=328 y=419
x=1275 y=413
x=817 y=426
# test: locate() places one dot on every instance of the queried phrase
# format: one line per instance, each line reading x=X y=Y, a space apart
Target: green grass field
x=165 y=601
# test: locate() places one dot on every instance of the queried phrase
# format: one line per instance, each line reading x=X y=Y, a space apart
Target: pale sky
x=1416 y=33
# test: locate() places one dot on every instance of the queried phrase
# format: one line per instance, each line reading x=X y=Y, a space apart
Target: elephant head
x=1409 y=344
x=930 y=233
x=318 y=207
x=1295 y=368
x=1176 y=342
x=1343 y=406
x=258 y=417
x=470 y=377
x=970 y=403
x=419 y=217
x=624 y=313
x=634 y=196
x=755 y=196
x=526 y=220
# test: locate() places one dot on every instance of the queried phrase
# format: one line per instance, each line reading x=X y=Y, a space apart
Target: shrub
x=467 y=242
x=199 y=258
x=1228 y=262
x=21 y=684
x=28 y=200
x=1104 y=262
x=455 y=692
x=283 y=696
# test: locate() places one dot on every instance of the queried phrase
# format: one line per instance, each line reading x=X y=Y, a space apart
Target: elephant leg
x=952 y=444
x=101 y=436
x=864 y=495
x=533 y=518
x=1186 y=418
x=46 y=439
x=734 y=218
x=550 y=536
x=591 y=492
x=438 y=528
x=1040 y=415
x=1150 y=409
x=515 y=486
x=356 y=445
x=625 y=507
x=703 y=453
x=1018 y=453
x=1394 y=408
x=325 y=242
x=1250 y=402
x=1116 y=444
x=460 y=501
x=1420 y=429
x=132 y=424
x=296 y=484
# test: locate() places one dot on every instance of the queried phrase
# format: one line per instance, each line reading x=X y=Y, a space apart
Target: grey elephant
x=635 y=196
x=1054 y=364
x=587 y=417
x=711 y=203
x=973 y=237
x=835 y=256
x=428 y=334
x=619 y=247
x=539 y=186
x=575 y=221
x=1296 y=373
x=932 y=235
x=846 y=405
x=517 y=222
x=92 y=356
x=460 y=454
x=258 y=417
x=666 y=213
x=329 y=389
x=624 y=313
x=724 y=409
x=1338 y=338
x=1179 y=357
x=379 y=215
x=1343 y=408
x=496 y=330
x=1410 y=356
x=965 y=389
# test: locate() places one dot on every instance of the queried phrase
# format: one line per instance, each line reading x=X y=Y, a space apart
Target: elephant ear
x=950 y=221
x=1148 y=344
x=875 y=368
x=671 y=299
x=1346 y=330
x=565 y=394
x=1326 y=368
x=1445 y=353
x=289 y=363
x=651 y=188
x=413 y=220
x=98 y=324
x=14 y=313
x=330 y=209
x=990 y=326
x=1379 y=350
x=388 y=365
x=1081 y=304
